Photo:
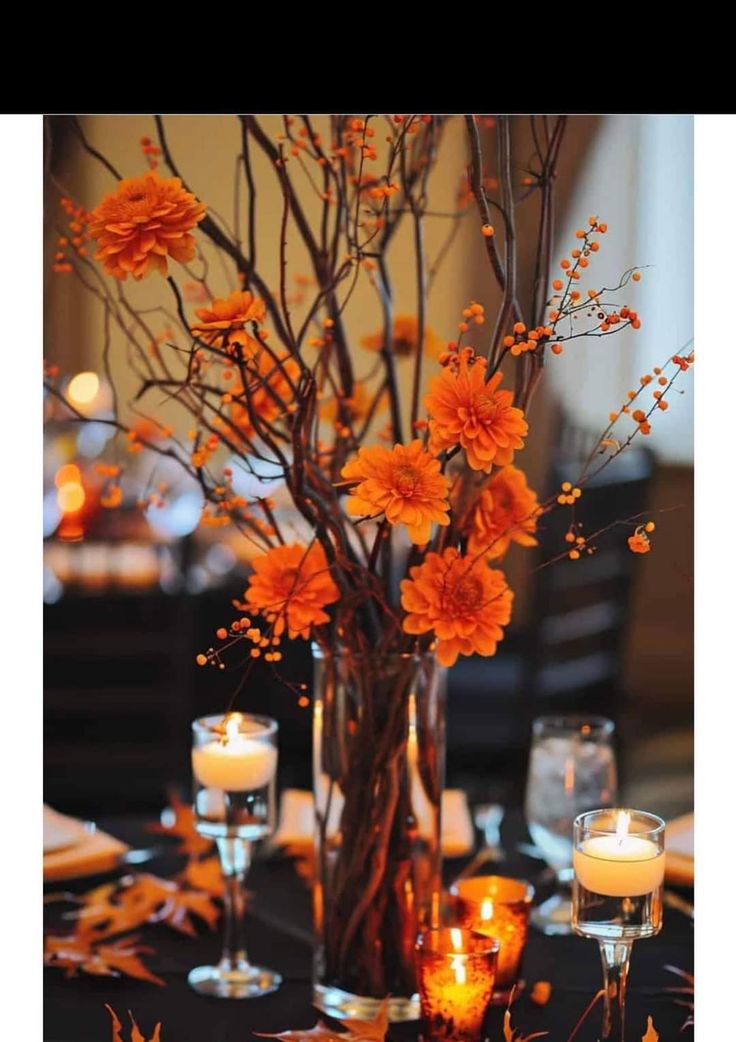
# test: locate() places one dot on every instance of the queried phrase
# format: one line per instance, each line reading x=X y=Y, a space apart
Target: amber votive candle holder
x=498 y=907
x=456 y=970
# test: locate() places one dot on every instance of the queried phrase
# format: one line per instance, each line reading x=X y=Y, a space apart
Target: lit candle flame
x=232 y=726
x=622 y=824
x=456 y=937
x=486 y=910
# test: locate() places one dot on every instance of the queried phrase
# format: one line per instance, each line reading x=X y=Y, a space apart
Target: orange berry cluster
x=472 y=313
x=524 y=340
x=203 y=450
x=76 y=238
x=639 y=542
x=455 y=354
x=150 y=151
x=580 y=543
x=568 y=495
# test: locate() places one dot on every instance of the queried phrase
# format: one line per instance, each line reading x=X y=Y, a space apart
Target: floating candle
x=235 y=762
x=619 y=864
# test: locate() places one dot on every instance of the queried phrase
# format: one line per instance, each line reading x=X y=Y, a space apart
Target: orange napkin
x=86 y=854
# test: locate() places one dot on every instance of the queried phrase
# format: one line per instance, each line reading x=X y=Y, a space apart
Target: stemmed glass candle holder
x=497 y=907
x=456 y=970
x=234 y=766
x=572 y=768
x=618 y=860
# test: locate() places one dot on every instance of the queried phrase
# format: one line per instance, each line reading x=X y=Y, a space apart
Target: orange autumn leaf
x=135 y=1032
x=650 y=1035
x=357 y=1030
x=204 y=874
x=118 y=958
x=115 y=908
x=183 y=828
x=510 y=1035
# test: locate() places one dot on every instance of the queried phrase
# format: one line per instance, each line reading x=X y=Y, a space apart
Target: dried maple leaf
x=112 y=959
x=357 y=1030
x=135 y=1032
x=510 y=1035
x=115 y=908
x=183 y=827
x=305 y=862
x=204 y=874
x=650 y=1034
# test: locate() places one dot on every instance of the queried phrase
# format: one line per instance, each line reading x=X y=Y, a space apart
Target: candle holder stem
x=615 y=956
x=235 y=858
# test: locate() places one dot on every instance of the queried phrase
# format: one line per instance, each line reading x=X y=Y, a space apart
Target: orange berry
x=556 y=349
x=479 y=320
x=613 y=416
x=580 y=234
x=565 y=264
x=663 y=405
x=662 y=381
x=201 y=660
x=649 y=526
x=574 y=555
x=603 y=228
x=566 y=486
x=255 y=653
x=557 y=284
x=575 y=295
x=508 y=341
x=562 y=500
x=636 y=323
x=636 y=276
x=638 y=415
x=519 y=327
x=487 y=230
x=577 y=493
x=221 y=633
x=463 y=327
x=583 y=262
x=630 y=395
x=569 y=537
x=592 y=220
x=595 y=246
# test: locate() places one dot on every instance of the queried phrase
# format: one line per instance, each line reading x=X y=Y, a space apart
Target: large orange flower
x=290 y=588
x=268 y=394
x=506 y=512
x=143 y=221
x=228 y=317
x=404 y=483
x=461 y=600
x=465 y=410
x=405 y=337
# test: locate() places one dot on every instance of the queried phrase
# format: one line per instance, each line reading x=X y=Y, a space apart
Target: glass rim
x=265 y=727
x=526 y=897
x=487 y=944
x=640 y=816
x=573 y=723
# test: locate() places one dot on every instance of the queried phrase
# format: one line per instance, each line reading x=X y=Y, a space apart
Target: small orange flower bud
x=487 y=230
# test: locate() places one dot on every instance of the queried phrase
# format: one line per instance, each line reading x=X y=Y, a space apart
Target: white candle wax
x=236 y=765
x=619 y=866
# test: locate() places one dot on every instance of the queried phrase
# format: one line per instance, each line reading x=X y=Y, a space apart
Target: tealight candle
x=619 y=864
x=456 y=971
x=499 y=908
x=234 y=761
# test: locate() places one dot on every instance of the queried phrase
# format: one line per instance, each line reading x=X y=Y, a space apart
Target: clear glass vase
x=378 y=756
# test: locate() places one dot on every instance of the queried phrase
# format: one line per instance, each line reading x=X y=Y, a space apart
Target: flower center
x=465 y=597
x=403 y=346
x=136 y=197
x=485 y=408
x=405 y=481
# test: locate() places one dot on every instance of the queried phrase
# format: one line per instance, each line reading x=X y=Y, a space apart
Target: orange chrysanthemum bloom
x=507 y=511
x=229 y=317
x=461 y=600
x=639 y=543
x=404 y=483
x=145 y=220
x=465 y=410
x=405 y=337
x=269 y=392
x=290 y=588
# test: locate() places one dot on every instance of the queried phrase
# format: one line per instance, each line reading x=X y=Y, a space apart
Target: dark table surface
x=277 y=937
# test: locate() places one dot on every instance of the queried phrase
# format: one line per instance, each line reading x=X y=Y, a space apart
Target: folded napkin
x=71 y=850
x=296 y=820
x=680 y=850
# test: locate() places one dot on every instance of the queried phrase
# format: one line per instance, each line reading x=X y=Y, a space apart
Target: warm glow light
x=459 y=968
x=83 y=388
x=67 y=474
x=456 y=936
x=232 y=726
x=569 y=781
x=70 y=497
x=486 y=910
x=622 y=824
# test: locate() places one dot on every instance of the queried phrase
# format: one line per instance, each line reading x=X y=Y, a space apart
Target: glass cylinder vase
x=378 y=762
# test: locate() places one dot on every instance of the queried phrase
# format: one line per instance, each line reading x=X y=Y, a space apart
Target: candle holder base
x=242 y=982
x=345 y=1006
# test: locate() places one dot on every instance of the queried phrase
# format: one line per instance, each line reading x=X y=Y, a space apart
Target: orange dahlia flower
x=405 y=337
x=463 y=601
x=269 y=391
x=404 y=483
x=290 y=587
x=143 y=221
x=507 y=511
x=465 y=409
x=229 y=317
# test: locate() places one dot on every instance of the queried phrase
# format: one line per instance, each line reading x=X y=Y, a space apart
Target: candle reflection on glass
x=497 y=907
x=456 y=970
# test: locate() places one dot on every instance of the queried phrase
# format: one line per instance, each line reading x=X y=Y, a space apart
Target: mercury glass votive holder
x=499 y=907
x=456 y=970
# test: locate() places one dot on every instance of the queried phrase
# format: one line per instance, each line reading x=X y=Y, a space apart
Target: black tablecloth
x=74 y=1009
